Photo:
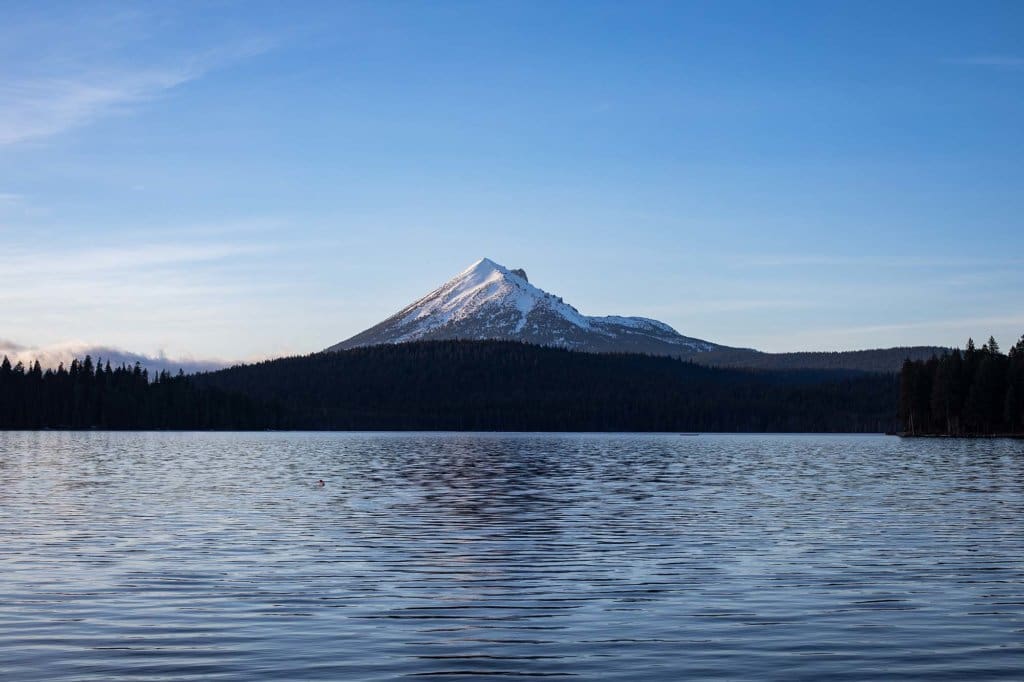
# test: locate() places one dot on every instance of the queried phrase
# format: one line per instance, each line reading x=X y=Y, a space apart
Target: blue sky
x=244 y=179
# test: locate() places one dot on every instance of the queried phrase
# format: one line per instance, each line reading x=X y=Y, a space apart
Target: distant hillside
x=503 y=385
x=876 y=360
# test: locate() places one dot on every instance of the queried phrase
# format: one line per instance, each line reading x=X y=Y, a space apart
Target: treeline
x=501 y=385
x=86 y=395
x=450 y=385
x=881 y=360
x=969 y=393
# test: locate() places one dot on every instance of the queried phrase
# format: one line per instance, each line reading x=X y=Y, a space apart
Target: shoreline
x=1014 y=436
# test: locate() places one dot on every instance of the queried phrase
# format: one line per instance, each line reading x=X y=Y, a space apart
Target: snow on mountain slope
x=489 y=301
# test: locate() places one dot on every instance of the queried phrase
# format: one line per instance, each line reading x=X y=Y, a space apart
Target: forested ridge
x=974 y=392
x=87 y=395
x=880 y=360
x=450 y=385
x=504 y=385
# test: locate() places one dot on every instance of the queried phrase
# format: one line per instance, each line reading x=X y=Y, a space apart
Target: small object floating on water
x=320 y=483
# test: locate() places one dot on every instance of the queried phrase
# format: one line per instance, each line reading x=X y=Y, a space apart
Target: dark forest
x=97 y=396
x=974 y=392
x=451 y=385
x=499 y=385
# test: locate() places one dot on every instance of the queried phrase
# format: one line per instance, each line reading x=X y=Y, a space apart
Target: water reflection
x=612 y=557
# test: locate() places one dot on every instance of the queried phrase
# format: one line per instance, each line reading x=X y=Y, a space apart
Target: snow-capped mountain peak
x=484 y=288
x=490 y=301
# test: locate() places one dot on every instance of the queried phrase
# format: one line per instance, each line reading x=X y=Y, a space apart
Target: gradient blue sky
x=245 y=179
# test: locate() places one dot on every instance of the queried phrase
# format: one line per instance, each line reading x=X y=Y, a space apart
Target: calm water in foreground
x=600 y=557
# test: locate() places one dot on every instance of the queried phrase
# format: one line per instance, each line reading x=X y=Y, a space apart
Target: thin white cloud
x=43 y=107
x=50 y=264
x=8 y=346
x=49 y=99
x=186 y=277
x=139 y=293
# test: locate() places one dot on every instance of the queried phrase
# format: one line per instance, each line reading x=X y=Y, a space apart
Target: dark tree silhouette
x=501 y=385
x=977 y=392
x=88 y=395
x=458 y=385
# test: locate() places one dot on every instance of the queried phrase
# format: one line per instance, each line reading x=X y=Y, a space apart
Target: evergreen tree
x=973 y=393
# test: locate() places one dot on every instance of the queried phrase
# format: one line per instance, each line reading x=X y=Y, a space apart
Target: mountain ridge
x=885 y=360
x=488 y=301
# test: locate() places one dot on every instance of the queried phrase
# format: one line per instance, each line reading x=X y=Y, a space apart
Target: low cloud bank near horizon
x=53 y=355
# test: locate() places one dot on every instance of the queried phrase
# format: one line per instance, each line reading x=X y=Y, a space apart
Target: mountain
x=488 y=301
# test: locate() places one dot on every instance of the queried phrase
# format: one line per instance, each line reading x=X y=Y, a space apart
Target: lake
x=509 y=556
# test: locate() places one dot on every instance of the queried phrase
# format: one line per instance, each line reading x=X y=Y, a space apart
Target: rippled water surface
x=599 y=557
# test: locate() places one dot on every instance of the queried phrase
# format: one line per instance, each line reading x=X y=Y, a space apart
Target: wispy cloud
x=42 y=107
x=8 y=346
x=71 y=288
x=29 y=265
x=990 y=61
x=53 y=94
